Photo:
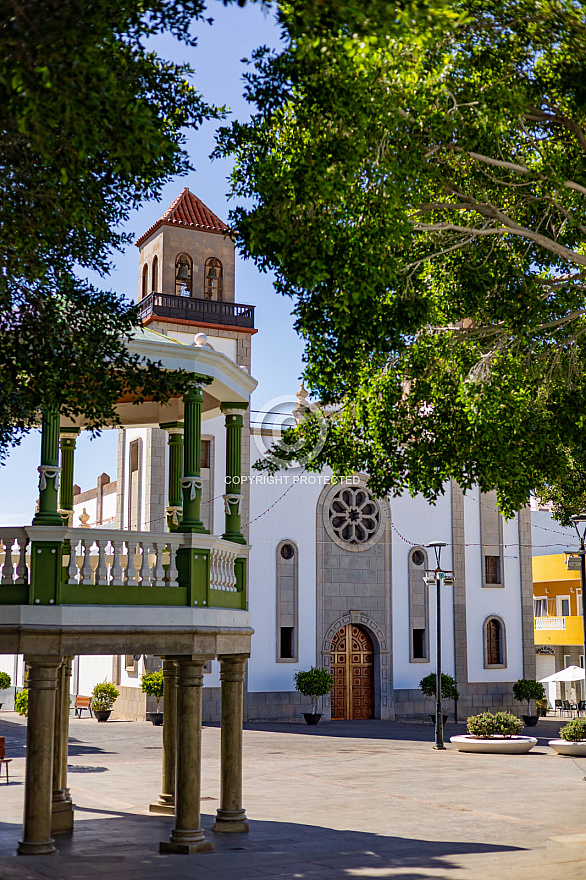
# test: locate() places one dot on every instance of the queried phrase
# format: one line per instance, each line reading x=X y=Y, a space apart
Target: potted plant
x=494 y=732
x=104 y=696
x=152 y=685
x=528 y=689
x=5 y=682
x=542 y=708
x=572 y=740
x=449 y=691
x=314 y=683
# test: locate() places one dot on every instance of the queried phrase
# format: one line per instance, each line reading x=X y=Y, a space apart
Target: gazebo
x=181 y=595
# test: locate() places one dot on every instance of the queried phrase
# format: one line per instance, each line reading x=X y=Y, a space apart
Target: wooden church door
x=353 y=674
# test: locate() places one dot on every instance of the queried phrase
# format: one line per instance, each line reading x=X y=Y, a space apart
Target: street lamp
x=577 y=520
x=438 y=577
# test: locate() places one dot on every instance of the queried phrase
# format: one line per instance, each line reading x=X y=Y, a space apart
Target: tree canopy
x=91 y=125
x=415 y=176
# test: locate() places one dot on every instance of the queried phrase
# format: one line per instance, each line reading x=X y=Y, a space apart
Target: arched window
x=155 y=276
x=145 y=281
x=213 y=281
x=183 y=275
x=494 y=642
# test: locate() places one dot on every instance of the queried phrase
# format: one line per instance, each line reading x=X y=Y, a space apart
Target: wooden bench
x=3 y=758
x=82 y=703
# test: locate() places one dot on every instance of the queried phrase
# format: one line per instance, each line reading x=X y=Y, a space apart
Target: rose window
x=354 y=516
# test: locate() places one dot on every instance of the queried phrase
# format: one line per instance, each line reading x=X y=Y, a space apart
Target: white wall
x=218 y=343
x=292 y=518
x=481 y=602
x=419 y=523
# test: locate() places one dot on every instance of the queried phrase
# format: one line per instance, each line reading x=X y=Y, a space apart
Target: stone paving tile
x=344 y=800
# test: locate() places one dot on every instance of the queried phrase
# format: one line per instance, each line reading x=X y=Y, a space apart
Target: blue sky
x=276 y=349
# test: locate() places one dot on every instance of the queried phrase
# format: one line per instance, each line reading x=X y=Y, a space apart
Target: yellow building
x=558 y=628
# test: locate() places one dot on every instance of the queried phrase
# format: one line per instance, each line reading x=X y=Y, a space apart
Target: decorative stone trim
x=358 y=618
x=192 y=483
x=50 y=471
x=352 y=510
x=232 y=499
x=174 y=511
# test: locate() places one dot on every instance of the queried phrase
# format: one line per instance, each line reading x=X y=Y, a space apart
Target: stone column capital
x=232 y=666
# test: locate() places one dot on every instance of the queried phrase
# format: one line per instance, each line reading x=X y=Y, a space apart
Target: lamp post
x=577 y=520
x=438 y=577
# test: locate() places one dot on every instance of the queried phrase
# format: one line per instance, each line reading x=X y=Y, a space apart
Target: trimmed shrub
x=21 y=702
x=449 y=686
x=574 y=731
x=528 y=689
x=104 y=695
x=5 y=681
x=151 y=684
x=489 y=724
x=314 y=683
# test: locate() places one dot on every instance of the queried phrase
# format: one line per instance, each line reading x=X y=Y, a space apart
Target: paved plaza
x=345 y=800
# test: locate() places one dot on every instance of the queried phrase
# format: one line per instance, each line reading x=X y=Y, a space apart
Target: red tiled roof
x=191 y=213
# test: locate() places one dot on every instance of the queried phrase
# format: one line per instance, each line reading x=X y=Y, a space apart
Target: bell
x=183 y=272
x=212 y=273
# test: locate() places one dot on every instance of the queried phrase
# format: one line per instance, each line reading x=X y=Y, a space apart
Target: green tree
x=528 y=689
x=91 y=122
x=416 y=184
x=315 y=682
x=152 y=684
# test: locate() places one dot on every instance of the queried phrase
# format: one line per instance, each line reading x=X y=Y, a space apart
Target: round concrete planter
x=497 y=745
x=155 y=718
x=571 y=749
x=311 y=717
x=102 y=714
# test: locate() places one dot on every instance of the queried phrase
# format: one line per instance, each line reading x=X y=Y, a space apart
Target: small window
x=145 y=281
x=564 y=608
x=205 y=453
x=287 y=551
x=155 y=275
x=287 y=643
x=492 y=569
x=213 y=281
x=134 y=456
x=419 y=644
x=417 y=557
x=494 y=652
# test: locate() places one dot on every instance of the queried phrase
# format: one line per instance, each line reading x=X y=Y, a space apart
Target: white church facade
x=335 y=576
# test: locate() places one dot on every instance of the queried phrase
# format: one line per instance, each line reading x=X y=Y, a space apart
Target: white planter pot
x=572 y=749
x=497 y=745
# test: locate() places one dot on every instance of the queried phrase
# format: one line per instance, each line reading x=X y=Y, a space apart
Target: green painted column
x=174 y=509
x=67 y=440
x=49 y=471
x=233 y=498
x=191 y=482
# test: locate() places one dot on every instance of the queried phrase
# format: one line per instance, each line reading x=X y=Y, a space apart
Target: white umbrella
x=570 y=673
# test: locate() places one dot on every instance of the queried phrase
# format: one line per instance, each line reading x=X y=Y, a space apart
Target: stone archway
x=352 y=668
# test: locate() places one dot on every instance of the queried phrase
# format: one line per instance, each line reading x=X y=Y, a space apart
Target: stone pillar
x=233 y=497
x=67 y=440
x=174 y=509
x=191 y=482
x=49 y=471
x=231 y=815
x=61 y=807
x=38 y=785
x=166 y=801
x=187 y=836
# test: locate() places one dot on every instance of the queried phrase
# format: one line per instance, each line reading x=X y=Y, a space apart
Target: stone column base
x=61 y=817
x=39 y=848
x=231 y=821
x=186 y=843
x=168 y=809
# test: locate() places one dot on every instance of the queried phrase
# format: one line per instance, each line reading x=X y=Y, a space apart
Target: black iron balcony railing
x=201 y=311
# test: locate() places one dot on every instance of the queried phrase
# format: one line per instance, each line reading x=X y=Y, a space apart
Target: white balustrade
x=222 y=573
x=550 y=623
x=14 y=556
x=103 y=557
